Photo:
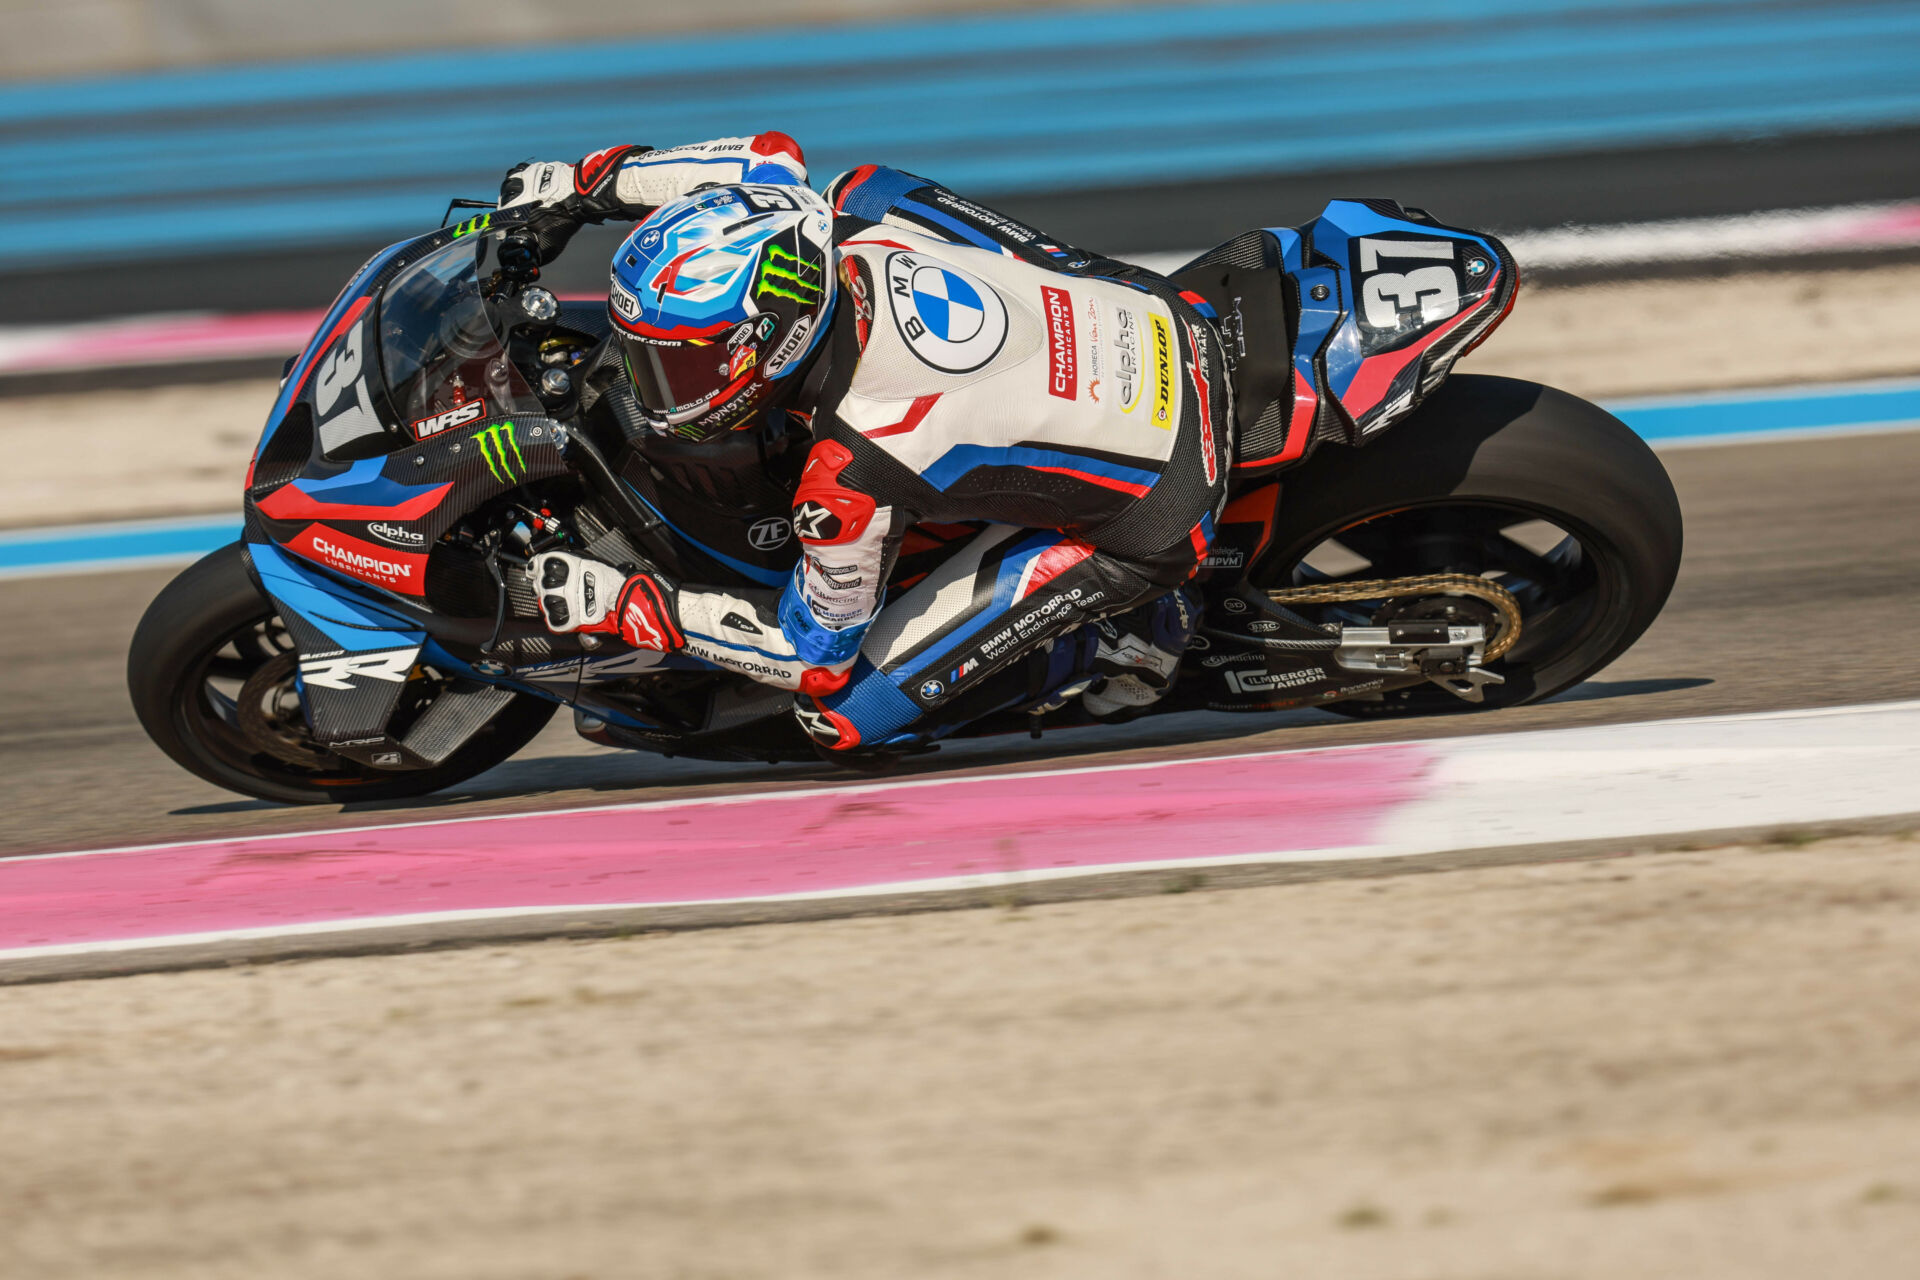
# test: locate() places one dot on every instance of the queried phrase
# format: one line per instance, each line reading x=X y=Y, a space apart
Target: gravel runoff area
x=183 y=449
x=1695 y=1064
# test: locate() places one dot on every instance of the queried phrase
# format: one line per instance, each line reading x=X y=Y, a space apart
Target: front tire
x=1447 y=490
x=202 y=637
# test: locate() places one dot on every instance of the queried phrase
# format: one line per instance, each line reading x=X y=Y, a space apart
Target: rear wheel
x=211 y=675
x=1540 y=492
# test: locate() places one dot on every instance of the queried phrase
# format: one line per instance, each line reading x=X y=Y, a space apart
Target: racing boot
x=1138 y=656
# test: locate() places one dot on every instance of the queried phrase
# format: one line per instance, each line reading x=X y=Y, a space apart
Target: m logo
x=391 y=665
x=502 y=453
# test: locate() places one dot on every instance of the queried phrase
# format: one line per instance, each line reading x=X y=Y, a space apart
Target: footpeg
x=1449 y=656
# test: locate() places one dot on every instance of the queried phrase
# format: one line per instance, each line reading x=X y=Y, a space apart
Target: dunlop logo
x=495 y=443
x=783 y=281
x=1162 y=372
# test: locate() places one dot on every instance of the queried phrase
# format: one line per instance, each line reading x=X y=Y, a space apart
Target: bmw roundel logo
x=1476 y=267
x=650 y=238
x=932 y=689
x=950 y=319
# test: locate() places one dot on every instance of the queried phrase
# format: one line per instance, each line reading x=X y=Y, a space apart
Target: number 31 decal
x=1384 y=295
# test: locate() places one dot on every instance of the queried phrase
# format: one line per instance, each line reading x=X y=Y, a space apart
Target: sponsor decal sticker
x=502 y=453
x=1224 y=558
x=458 y=416
x=400 y=571
x=398 y=535
x=932 y=689
x=1096 y=357
x=1126 y=362
x=1261 y=681
x=473 y=226
x=772 y=532
x=1198 y=370
x=391 y=665
x=789 y=350
x=1063 y=354
x=854 y=277
x=784 y=275
x=1162 y=371
x=951 y=321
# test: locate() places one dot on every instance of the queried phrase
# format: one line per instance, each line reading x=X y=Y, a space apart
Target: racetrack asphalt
x=1798 y=591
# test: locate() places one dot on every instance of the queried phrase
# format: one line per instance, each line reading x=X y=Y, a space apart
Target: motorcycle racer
x=953 y=366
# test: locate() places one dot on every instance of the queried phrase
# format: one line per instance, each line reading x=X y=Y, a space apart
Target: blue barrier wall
x=320 y=152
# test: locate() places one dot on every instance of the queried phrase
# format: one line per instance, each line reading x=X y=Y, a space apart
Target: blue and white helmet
x=719 y=298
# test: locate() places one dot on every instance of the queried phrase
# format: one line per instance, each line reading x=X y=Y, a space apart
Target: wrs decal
x=458 y=416
x=400 y=571
x=1162 y=372
x=1063 y=375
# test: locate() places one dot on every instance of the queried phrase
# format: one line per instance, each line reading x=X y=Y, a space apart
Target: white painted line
x=1537 y=787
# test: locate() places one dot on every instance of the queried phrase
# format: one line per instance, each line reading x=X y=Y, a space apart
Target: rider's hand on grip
x=577 y=594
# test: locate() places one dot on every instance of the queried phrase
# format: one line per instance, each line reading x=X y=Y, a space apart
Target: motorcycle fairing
x=1405 y=298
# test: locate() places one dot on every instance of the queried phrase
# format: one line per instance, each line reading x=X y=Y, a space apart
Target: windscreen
x=439 y=346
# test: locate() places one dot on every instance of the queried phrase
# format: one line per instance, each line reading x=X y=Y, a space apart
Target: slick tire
x=1485 y=443
x=185 y=644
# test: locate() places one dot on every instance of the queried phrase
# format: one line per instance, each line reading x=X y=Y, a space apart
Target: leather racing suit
x=975 y=371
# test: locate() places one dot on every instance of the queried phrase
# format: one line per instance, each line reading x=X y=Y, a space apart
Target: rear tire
x=1478 y=450
x=181 y=648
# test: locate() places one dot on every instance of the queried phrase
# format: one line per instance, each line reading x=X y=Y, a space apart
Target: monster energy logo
x=494 y=443
x=472 y=225
x=782 y=282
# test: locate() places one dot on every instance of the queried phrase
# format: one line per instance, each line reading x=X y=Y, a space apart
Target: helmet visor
x=675 y=382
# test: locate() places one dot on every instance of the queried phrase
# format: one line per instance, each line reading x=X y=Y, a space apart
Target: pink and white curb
x=1373 y=801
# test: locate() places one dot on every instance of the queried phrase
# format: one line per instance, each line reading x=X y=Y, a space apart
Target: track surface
x=1798 y=591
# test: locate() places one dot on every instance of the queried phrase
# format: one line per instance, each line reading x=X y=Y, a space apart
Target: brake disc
x=268 y=709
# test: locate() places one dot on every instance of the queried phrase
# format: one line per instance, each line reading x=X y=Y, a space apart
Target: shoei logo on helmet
x=951 y=320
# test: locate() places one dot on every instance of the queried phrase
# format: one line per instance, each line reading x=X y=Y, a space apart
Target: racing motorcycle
x=1396 y=541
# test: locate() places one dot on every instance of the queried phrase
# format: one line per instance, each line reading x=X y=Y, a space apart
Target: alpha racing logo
x=458 y=416
x=398 y=536
x=1126 y=363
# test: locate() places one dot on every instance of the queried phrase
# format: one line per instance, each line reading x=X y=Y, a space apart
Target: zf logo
x=772 y=532
x=391 y=665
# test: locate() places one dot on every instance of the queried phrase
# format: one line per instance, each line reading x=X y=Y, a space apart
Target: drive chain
x=1433 y=584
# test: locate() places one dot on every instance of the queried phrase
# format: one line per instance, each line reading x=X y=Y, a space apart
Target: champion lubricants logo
x=458 y=416
x=396 y=570
x=1063 y=378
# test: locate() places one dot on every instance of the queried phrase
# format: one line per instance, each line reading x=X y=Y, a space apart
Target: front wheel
x=211 y=675
x=1539 y=491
